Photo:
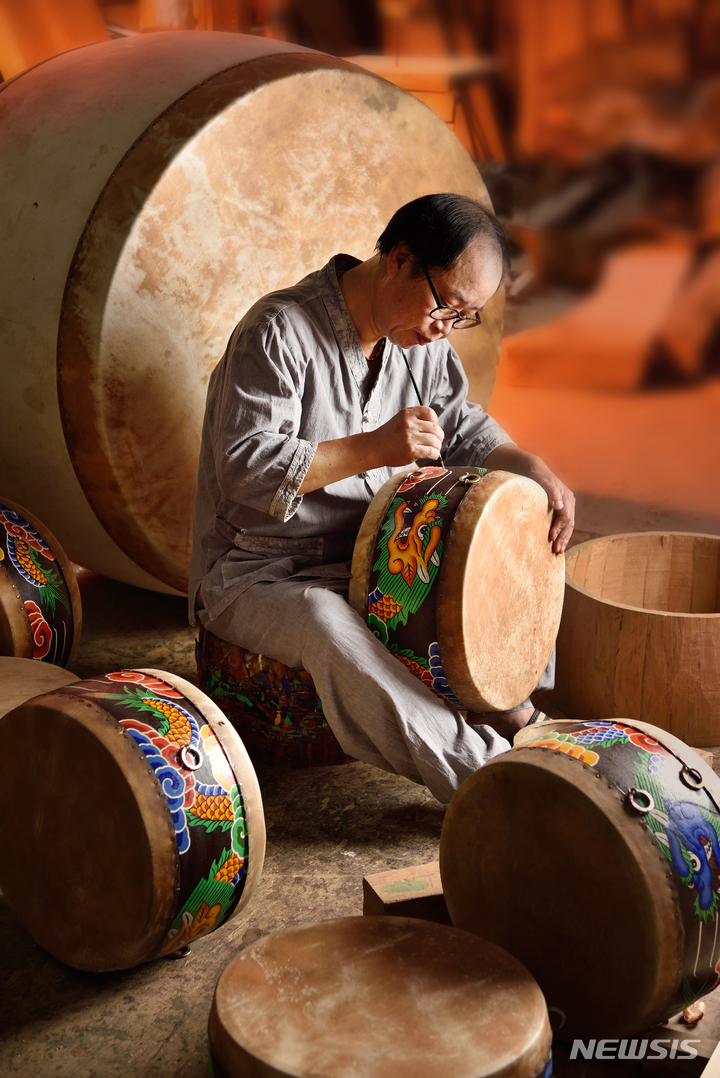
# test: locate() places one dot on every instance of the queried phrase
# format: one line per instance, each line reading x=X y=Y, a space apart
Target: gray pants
x=377 y=709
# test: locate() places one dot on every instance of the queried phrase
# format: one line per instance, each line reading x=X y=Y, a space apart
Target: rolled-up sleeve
x=259 y=459
x=470 y=433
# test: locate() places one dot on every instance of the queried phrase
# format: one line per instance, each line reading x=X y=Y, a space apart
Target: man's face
x=408 y=300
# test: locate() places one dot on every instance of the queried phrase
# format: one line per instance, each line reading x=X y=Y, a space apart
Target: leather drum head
x=83 y=816
x=500 y=593
x=387 y=997
x=21 y=679
x=540 y=854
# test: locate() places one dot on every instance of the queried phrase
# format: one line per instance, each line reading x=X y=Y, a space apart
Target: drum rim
x=131 y=763
x=67 y=572
x=18 y=633
x=451 y=583
x=366 y=541
x=584 y=779
x=245 y=774
x=220 y=1034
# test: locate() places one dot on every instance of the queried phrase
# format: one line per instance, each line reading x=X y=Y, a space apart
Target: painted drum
x=142 y=829
x=454 y=572
x=275 y=708
x=591 y=851
x=640 y=632
x=22 y=679
x=387 y=997
x=40 y=608
x=153 y=188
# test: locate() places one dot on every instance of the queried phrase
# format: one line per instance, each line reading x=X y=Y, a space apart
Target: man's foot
x=506 y=723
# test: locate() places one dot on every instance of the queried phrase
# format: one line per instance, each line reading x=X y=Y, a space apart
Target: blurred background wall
x=596 y=127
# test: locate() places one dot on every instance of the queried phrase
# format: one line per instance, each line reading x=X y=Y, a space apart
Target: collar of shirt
x=342 y=323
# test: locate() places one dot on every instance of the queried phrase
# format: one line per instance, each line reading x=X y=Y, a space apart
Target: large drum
x=131 y=821
x=454 y=571
x=40 y=608
x=21 y=679
x=592 y=853
x=151 y=189
x=387 y=997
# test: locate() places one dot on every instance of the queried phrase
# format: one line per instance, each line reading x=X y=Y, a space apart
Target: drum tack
x=454 y=572
x=377 y=997
x=142 y=828
x=592 y=852
x=40 y=608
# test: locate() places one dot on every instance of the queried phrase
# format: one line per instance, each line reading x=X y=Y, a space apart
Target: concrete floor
x=327 y=827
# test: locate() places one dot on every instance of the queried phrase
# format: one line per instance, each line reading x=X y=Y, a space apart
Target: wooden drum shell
x=542 y=852
x=640 y=632
x=120 y=851
x=497 y=594
x=154 y=188
x=40 y=606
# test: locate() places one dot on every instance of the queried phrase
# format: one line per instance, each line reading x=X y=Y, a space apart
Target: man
x=309 y=412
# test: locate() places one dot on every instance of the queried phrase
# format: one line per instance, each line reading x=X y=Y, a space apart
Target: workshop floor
x=638 y=462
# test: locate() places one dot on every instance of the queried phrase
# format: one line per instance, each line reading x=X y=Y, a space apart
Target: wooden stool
x=274 y=708
x=387 y=997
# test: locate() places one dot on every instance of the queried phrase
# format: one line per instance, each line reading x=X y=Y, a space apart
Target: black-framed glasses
x=443 y=313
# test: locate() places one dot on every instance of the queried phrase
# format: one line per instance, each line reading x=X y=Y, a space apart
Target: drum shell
x=126 y=269
x=634 y=948
x=480 y=625
x=113 y=876
x=40 y=606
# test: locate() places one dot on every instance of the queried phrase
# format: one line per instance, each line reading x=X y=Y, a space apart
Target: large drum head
x=378 y=997
x=535 y=856
x=262 y=162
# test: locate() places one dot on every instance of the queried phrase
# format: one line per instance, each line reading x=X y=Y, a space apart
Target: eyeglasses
x=443 y=313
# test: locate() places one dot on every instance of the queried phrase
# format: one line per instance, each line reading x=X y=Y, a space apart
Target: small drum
x=40 y=611
x=274 y=708
x=21 y=679
x=387 y=997
x=592 y=853
x=131 y=821
x=454 y=571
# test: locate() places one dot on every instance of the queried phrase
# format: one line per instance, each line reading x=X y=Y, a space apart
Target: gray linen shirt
x=294 y=375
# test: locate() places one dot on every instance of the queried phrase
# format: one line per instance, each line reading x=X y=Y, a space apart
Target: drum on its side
x=592 y=853
x=454 y=572
x=40 y=609
x=131 y=822
x=275 y=708
x=391 y=997
x=21 y=679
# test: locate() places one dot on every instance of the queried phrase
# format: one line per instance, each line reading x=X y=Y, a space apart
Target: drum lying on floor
x=592 y=853
x=377 y=997
x=131 y=822
x=40 y=608
x=454 y=571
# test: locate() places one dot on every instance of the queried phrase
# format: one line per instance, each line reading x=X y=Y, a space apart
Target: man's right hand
x=410 y=435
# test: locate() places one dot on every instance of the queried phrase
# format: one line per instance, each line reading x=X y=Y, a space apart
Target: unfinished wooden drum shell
x=22 y=679
x=387 y=997
x=640 y=632
x=40 y=608
x=592 y=853
x=141 y=828
x=454 y=571
x=153 y=188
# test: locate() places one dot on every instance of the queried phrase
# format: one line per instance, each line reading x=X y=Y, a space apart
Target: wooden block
x=406 y=892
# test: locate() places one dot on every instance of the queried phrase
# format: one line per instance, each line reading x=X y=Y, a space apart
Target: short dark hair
x=438 y=228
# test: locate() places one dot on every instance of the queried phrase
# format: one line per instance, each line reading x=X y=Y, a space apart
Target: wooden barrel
x=592 y=853
x=131 y=822
x=454 y=571
x=275 y=708
x=640 y=632
x=22 y=679
x=151 y=189
x=387 y=997
x=40 y=608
